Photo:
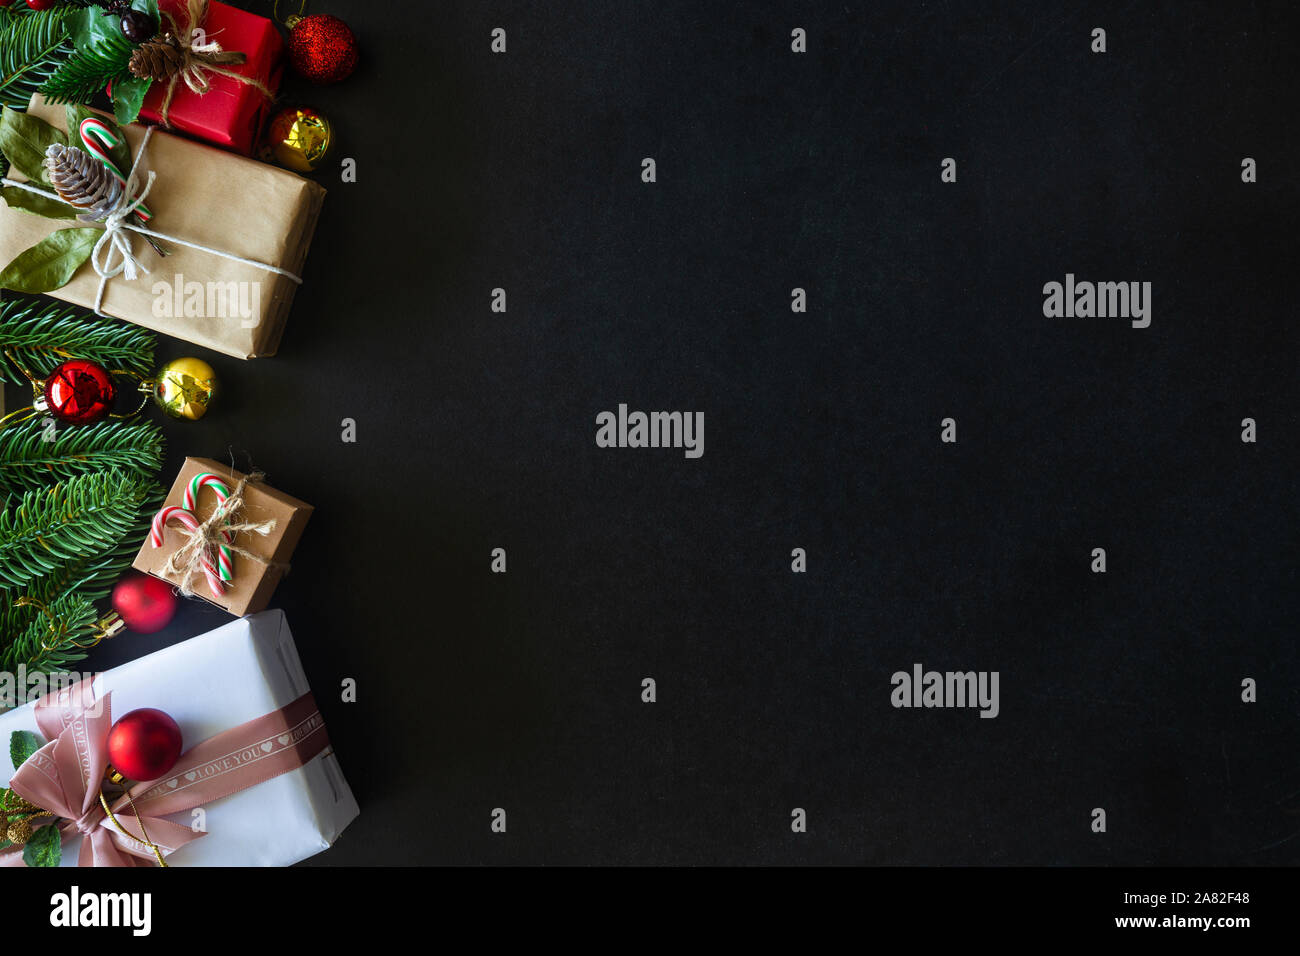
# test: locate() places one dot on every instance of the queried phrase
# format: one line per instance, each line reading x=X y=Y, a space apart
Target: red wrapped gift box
x=231 y=113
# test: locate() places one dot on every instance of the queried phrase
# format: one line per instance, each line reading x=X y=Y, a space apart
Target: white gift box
x=210 y=684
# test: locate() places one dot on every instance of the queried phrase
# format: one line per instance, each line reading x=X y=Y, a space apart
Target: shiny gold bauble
x=19 y=832
x=184 y=387
x=300 y=138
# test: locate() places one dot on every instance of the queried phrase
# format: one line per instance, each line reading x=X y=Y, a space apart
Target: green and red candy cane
x=221 y=572
x=99 y=139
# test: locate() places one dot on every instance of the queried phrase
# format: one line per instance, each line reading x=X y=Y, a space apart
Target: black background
x=476 y=430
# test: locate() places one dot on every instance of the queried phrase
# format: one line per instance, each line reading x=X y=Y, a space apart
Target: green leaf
x=128 y=97
x=24 y=139
x=75 y=113
x=45 y=848
x=90 y=25
x=22 y=744
x=51 y=263
x=16 y=198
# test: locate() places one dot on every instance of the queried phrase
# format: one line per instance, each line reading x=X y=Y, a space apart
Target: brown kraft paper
x=207 y=196
x=255 y=578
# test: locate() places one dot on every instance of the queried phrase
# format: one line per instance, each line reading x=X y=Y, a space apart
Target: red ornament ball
x=146 y=603
x=80 y=392
x=40 y=4
x=144 y=744
x=322 y=48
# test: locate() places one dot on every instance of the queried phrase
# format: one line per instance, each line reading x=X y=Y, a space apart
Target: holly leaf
x=24 y=139
x=50 y=263
x=91 y=25
x=150 y=7
x=128 y=97
x=22 y=744
x=45 y=848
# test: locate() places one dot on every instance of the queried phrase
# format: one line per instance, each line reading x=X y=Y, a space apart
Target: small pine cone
x=156 y=60
x=82 y=181
x=19 y=832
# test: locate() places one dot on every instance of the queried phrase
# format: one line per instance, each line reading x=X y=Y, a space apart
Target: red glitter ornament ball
x=322 y=48
x=145 y=603
x=80 y=392
x=144 y=744
x=40 y=4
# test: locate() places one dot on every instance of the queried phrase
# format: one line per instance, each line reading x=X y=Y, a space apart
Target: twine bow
x=204 y=538
x=115 y=238
x=200 y=59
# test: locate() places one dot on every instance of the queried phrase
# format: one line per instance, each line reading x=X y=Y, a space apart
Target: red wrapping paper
x=231 y=113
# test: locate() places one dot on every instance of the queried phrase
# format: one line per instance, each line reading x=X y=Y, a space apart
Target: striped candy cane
x=100 y=140
x=225 y=557
x=192 y=524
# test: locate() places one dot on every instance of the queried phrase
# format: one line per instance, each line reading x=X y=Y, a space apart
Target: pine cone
x=82 y=181
x=156 y=60
x=19 y=832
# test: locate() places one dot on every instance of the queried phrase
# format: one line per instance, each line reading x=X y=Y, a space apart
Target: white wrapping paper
x=212 y=683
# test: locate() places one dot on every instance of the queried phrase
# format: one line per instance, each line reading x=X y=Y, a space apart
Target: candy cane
x=99 y=140
x=192 y=524
x=191 y=498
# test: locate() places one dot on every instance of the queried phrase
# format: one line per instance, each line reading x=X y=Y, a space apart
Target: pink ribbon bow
x=66 y=774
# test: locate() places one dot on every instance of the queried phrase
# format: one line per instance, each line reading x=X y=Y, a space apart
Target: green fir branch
x=94 y=577
x=87 y=72
x=85 y=516
x=68 y=593
x=33 y=46
x=41 y=333
x=77 y=501
x=29 y=637
x=37 y=453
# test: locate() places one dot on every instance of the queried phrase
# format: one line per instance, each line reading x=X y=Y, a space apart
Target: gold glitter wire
x=107 y=626
x=143 y=832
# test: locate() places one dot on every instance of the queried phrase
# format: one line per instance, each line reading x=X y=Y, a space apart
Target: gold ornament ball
x=19 y=832
x=300 y=138
x=185 y=387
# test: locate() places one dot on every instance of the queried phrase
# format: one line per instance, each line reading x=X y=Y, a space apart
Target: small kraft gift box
x=257 y=782
x=223 y=536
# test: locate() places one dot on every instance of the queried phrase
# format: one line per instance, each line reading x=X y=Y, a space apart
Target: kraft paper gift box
x=255 y=578
x=210 y=684
x=207 y=196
